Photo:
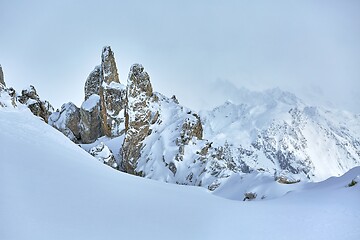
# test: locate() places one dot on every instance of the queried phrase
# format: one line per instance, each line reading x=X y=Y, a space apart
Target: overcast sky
x=311 y=48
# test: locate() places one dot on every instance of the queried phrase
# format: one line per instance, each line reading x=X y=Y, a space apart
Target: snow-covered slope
x=52 y=189
x=275 y=131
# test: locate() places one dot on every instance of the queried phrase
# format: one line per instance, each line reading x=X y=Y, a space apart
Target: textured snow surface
x=52 y=189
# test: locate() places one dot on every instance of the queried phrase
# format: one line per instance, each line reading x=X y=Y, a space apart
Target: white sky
x=311 y=48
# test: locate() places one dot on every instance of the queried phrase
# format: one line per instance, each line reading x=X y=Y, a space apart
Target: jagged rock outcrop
x=138 y=115
x=67 y=121
x=28 y=97
x=93 y=83
x=109 y=71
x=114 y=102
x=31 y=99
x=104 y=82
x=103 y=114
x=2 y=80
x=104 y=154
x=190 y=128
x=91 y=122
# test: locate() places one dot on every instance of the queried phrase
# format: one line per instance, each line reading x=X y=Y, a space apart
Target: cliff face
x=138 y=116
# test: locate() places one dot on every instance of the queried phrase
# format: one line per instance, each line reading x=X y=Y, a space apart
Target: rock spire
x=2 y=80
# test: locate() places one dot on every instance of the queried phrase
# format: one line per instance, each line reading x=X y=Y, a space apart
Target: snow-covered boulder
x=104 y=154
x=67 y=121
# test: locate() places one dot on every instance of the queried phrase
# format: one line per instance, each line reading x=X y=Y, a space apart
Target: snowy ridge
x=284 y=136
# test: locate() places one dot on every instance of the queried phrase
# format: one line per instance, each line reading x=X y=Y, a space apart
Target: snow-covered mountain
x=52 y=189
x=134 y=129
x=267 y=152
x=275 y=131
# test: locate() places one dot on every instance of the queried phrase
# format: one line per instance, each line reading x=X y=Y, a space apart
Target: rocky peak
x=2 y=81
x=138 y=82
x=108 y=66
x=138 y=115
x=102 y=112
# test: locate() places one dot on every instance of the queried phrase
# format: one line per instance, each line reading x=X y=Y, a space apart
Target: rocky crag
x=145 y=121
x=101 y=113
x=26 y=98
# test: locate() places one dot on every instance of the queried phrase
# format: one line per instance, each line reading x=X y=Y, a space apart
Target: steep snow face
x=52 y=189
x=278 y=133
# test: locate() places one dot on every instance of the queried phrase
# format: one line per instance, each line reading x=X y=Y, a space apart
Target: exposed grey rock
x=93 y=83
x=104 y=82
x=249 y=196
x=175 y=99
x=114 y=99
x=67 y=121
x=138 y=116
x=108 y=66
x=138 y=82
x=90 y=120
x=38 y=107
x=2 y=80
